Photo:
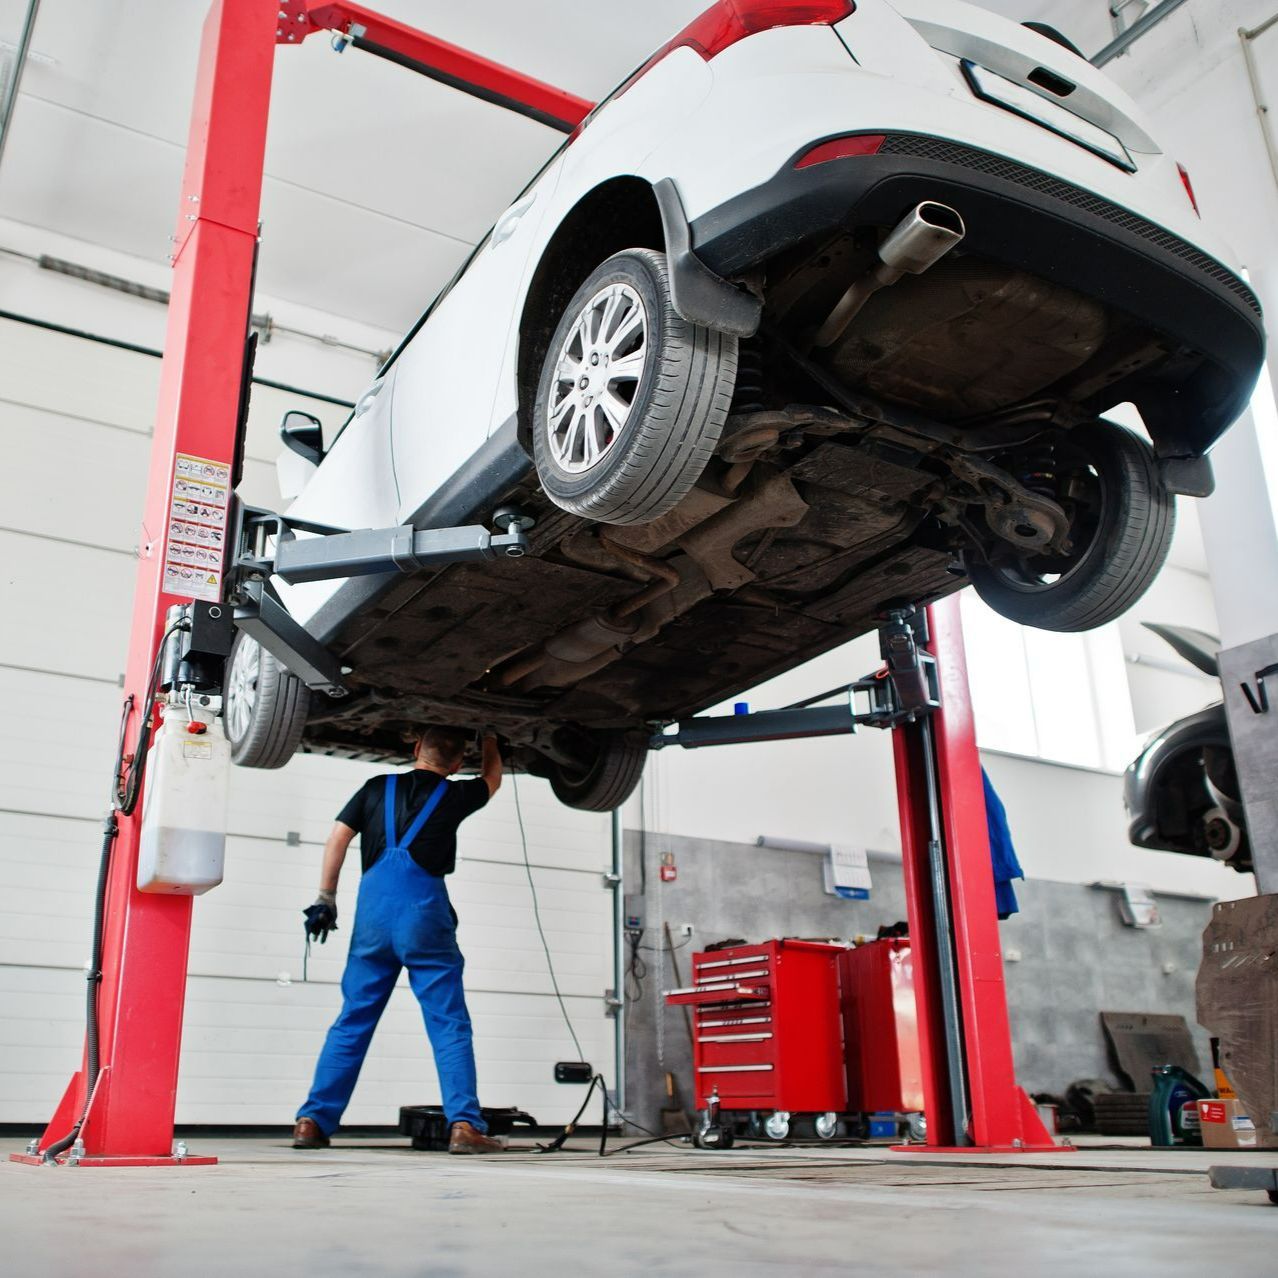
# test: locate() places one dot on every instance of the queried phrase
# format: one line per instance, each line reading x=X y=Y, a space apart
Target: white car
x=817 y=313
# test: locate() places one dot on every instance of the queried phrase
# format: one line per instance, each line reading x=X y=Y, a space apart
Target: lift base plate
x=193 y=1160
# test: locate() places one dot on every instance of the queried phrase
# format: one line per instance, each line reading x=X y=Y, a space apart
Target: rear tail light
x=728 y=21
x=840 y=149
x=1188 y=185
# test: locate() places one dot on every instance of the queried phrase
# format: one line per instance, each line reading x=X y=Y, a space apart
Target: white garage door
x=75 y=421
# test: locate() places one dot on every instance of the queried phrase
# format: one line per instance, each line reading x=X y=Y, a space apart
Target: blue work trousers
x=402 y=920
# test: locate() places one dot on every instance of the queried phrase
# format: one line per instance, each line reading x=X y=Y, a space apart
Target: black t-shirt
x=435 y=848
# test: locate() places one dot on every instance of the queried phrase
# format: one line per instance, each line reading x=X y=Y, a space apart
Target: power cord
x=541 y=931
x=597 y=1080
x=637 y=968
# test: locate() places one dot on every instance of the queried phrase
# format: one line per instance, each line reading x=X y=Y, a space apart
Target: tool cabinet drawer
x=718 y=992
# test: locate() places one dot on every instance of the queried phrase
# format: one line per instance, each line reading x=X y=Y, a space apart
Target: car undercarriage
x=932 y=437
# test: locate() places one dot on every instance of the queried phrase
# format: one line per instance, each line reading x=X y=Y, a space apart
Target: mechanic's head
x=441 y=748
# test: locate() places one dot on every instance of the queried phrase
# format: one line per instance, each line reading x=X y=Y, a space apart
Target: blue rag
x=1002 y=853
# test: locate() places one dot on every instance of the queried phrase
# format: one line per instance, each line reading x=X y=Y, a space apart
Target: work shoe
x=464 y=1139
x=307 y=1135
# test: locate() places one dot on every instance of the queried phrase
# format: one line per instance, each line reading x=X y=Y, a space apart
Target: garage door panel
x=222 y=1083
x=41 y=631
x=67 y=375
x=92 y=483
x=89 y=484
x=57 y=744
x=305 y=796
x=34 y=1075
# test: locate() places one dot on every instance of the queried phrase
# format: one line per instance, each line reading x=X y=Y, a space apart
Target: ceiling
x=377 y=180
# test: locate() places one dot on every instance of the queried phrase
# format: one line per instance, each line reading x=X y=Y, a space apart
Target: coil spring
x=747 y=397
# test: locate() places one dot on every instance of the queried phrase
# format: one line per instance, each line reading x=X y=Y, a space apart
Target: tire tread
x=1139 y=547
x=681 y=422
x=279 y=715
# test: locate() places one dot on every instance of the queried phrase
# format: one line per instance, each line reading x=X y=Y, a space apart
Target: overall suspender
x=415 y=828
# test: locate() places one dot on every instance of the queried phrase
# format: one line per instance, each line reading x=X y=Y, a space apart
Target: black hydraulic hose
x=93 y=1064
x=126 y=786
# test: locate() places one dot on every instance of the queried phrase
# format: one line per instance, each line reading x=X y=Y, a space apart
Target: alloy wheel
x=596 y=379
x=241 y=687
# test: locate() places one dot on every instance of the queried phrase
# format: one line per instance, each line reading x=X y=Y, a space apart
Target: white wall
x=74 y=422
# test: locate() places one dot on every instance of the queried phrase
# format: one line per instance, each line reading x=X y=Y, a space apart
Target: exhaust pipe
x=918 y=241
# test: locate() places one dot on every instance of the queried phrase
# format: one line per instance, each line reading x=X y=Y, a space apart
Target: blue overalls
x=402 y=919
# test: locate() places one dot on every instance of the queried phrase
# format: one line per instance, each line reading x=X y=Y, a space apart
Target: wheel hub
x=596 y=378
x=241 y=687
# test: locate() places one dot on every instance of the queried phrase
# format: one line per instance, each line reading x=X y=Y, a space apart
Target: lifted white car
x=817 y=313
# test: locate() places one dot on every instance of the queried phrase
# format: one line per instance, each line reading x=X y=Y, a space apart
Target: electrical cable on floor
x=596 y=1080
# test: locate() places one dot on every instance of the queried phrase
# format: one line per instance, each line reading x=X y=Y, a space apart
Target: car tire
x=610 y=780
x=265 y=709
x=622 y=460
x=1120 y=557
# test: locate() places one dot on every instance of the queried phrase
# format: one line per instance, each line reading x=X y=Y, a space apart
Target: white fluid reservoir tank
x=183 y=845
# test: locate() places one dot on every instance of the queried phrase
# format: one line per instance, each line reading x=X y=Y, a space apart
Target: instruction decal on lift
x=196 y=542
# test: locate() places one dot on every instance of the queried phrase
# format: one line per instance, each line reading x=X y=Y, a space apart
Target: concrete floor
x=376 y=1207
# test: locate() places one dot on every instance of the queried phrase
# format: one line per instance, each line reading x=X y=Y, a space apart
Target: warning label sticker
x=197 y=528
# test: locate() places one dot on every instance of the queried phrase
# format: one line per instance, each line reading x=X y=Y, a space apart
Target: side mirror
x=303 y=434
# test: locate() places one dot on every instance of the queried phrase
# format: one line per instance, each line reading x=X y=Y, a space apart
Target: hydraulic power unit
x=183 y=844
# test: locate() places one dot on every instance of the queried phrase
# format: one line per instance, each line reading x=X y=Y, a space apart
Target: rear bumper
x=1031 y=220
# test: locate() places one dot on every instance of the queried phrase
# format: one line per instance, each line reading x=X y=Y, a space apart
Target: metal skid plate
x=267 y=546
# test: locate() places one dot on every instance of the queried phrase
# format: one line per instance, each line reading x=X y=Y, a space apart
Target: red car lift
x=128 y=1108
x=147 y=937
x=921 y=694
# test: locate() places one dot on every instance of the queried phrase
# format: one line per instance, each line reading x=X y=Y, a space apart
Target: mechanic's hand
x=321 y=918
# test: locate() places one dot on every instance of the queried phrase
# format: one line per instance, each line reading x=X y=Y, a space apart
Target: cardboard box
x=1224 y=1125
x=1238 y=1003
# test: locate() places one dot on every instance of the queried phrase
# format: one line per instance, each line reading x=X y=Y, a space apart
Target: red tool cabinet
x=767 y=1031
x=880 y=1028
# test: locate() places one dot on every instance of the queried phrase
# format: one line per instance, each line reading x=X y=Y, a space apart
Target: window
x=1059 y=697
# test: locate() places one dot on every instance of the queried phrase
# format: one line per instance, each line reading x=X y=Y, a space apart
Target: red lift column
x=965 y=1036
x=147 y=936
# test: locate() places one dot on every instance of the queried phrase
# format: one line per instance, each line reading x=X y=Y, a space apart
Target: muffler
x=917 y=242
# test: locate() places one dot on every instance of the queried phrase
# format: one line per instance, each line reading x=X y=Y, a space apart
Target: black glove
x=321 y=918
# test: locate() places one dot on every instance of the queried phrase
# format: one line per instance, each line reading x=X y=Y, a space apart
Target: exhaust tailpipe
x=917 y=242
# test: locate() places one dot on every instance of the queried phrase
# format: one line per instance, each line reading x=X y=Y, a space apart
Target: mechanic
x=408 y=841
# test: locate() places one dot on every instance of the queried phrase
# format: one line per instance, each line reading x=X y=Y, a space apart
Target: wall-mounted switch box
x=633 y=911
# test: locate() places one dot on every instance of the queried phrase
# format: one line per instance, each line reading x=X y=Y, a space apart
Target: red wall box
x=767 y=1031
x=880 y=1027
